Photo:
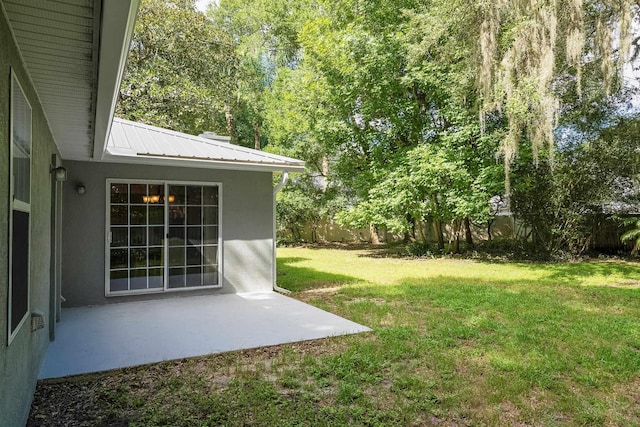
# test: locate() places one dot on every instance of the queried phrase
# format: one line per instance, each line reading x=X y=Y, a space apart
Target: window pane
x=156 y=278
x=156 y=236
x=176 y=257
x=194 y=276
x=138 y=258
x=119 y=258
x=119 y=281
x=176 y=215
x=156 y=257
x=138 y=236
x=210 y=276
x=156 y=215
x=138 y=191
x=21 y=143
x=176 y=236
x=138 y=279
x=210 y=255
x=21 y=176
x=194 y=235
x=194 y=256
x=194 y=215
x=177 y=193
x=210 y=235
x=176 y=278
x=138 y=215
x=19 y=268
x=210 y=196
x=194 y=195
x=210 y=215
x=119 y=237
x=119 y=215
x=119 y=193
x=156 y=193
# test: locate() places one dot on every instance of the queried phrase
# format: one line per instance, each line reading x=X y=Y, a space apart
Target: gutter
x=276 y=190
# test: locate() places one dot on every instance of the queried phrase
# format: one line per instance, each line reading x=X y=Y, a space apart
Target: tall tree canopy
x=382 y=96
x=180 y=69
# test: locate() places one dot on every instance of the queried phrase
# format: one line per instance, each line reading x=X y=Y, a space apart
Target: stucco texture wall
x=246 y=228
x=21 y=360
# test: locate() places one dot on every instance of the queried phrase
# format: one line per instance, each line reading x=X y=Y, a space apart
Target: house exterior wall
x=20 y=361
x=246 y=228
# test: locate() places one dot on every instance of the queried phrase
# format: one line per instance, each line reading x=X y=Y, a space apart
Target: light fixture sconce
x=60 y=173
x=81 y=189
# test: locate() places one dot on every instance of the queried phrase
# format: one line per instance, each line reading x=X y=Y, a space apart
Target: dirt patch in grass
x=82 y=400
x=625 y=404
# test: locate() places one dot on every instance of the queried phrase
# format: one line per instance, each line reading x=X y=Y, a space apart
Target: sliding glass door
x=162 y=236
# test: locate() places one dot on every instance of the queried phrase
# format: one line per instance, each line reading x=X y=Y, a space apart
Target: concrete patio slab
x=100 y=338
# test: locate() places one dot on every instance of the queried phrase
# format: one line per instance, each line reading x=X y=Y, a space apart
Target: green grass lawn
x=454 y=342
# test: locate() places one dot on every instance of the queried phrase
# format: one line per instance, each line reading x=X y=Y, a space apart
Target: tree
x=633 y=234
x=180 y=68
x=387 y=100
x=593 y=175
x=265 y=39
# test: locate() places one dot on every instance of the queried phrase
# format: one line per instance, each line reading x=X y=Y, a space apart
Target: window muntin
x=140 y=258
x=20 y=206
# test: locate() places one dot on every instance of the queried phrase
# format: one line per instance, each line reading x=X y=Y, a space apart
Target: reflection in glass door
x=136 y=237
x=193 y=236
x=140 y=215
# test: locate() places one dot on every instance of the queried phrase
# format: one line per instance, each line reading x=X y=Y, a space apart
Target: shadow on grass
x=296 y=278
x=572 y=273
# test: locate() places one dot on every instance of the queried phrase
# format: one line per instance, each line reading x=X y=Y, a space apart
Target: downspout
x=276 y=190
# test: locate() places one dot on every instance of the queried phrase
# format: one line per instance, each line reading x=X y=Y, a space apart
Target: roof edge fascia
x=119 y=18
x=202 y=164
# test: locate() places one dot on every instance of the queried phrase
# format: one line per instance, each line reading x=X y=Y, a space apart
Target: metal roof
x=131 y=142
x=74 y=52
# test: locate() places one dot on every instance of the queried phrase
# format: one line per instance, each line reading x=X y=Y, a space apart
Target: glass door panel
x=162 y=236
x=136 y=238
x=193 y=221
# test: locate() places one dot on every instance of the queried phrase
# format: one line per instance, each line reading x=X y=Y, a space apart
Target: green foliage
x=295 y=209
x=422 y=249
x=302 y=203
x=633 y=234
x=179 y=70
x=591 y=179
x=402 y=106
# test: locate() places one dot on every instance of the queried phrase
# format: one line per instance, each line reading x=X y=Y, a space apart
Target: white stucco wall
x=247 y=228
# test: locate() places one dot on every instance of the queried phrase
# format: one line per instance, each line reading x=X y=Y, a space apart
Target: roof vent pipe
x=215 y=137
x=276 y=190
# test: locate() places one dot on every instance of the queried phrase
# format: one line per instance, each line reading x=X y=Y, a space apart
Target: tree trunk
x=231 y=124
x=256 y=137
x=325 y=173
x=456 y=232
x=373 y=230
x=440 y=235
x=467 y=232
x=410 y=235
x=489 y=224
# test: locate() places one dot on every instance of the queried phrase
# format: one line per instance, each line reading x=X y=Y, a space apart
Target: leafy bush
x=422 y=249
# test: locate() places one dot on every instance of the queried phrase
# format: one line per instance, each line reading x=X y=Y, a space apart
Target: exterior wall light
x=60 y=173
x=81 y=189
